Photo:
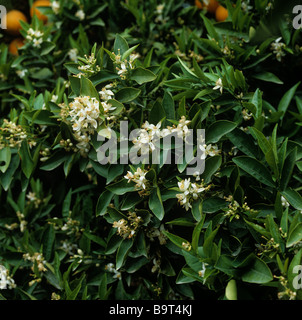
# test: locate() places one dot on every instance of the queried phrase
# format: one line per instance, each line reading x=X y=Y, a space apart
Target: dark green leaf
x=295 y=235
x=286 y=99
x=256 y=169
x=5 y=157
x=122 y=252
x=141 y=75
x=258 y=272
x=103 y=202
x=27 y=162
x=156 y=204
x=218 y=129
x=293 y=197
x=127 y=94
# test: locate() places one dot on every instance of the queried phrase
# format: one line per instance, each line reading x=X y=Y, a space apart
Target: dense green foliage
x=72 y=228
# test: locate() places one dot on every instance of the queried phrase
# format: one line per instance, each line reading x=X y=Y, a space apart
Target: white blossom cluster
x=6 y=282
x=88 y=66
x=80 y=14
x=106 y=94
x=150 y=133
x=123 y=66
x=209 y=150
x=159 y=10
x=277 y=46
x=246 y=115
x=189 y=192
x=146 y=137
x=84 y=116
x=73 y=54
x=36 y=258
x=11 y=134
x=68 y=247
x=284 y=202
x=111 y=268
x=138 y=177
x=35 y=36
x=21 y=73
x=128 y=228
x=55 y=6
x=245 y=6
x=181 y=129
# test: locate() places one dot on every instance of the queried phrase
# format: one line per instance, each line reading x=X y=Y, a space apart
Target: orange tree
x=74 y=227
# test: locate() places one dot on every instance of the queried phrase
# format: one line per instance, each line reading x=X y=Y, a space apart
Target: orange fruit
x=198 y=4
x=212 y=6
x=15 y=45
x=34 y=10
x=13 y=25
x=221 y=14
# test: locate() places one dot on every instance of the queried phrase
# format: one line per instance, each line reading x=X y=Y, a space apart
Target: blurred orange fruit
x=212 y=6
x=15 y=45
x=13 y=18
x=198 y=4
x=221 y=14
x=34 y=10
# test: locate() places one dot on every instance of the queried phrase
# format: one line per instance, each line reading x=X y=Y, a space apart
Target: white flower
x=77 y=126
x=218 y=85
x=269 y=7
x=68 y=247
x=184 y=185
x=31 y=196
x=160 y=8
x=203 y=270
x=190 y=192
x=277 y=48
x=80 y=14
x=54 y=98
x=87 y=67
x=37 y=42
x=117 y=58
x=138 y=177
x=122 y=70
x=211 y=150
x=31 y=31
x=153 y=130
x=120 y=224
x=246 y=115
x=245 y=6
x=106 y=94
x=110 y=268
x=143 y=142
x=284 y=202
x=84 y=116
x=73 y=54
x=117 y=275
x=21 y=73
x=132 y=59
x=5 y=280
x=182 y=129
x=55 y=5
x=195 y=190
x=38 y=34
x=35 y=36
x=107 y=107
